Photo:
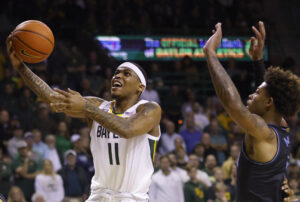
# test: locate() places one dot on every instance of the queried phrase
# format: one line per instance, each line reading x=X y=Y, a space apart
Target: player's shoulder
x=95 y=100
x=149 y=105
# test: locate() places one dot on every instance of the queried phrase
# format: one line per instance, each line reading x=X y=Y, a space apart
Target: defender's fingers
x=252 y=43
x=258 y=36
x=262 y=29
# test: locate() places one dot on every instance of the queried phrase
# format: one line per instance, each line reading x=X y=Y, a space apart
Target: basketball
x=33 y=41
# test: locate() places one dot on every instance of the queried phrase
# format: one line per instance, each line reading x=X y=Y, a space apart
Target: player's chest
x=100 y=133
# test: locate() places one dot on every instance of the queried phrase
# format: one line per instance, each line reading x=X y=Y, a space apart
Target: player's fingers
x=213 y=31
x=62 y=92
x=252 y=43
x=59 y=97
x=73 y=92
x=262 y=29
x=258 y=36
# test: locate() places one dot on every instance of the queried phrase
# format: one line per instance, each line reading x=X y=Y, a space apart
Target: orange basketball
x=33 y=41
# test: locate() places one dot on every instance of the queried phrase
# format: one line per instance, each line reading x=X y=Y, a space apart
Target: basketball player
x=265 y=151
x=123 y=133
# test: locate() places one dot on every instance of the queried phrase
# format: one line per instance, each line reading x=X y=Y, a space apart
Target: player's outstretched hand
x=15 y=60
x=214 y=41
x=67 y=101
x=256 y=50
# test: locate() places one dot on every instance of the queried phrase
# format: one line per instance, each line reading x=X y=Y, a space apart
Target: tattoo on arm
x=224 y=87
x=122 y=126
x=113 y=123
x=35 y=83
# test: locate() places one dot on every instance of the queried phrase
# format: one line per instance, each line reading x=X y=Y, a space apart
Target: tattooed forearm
x=224 y=87
x=147 y=117
x=111 y=122
x=36 y=84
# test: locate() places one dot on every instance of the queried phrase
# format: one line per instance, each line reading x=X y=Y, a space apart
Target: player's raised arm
x=36 y=84
x=146 y=118
x=227 y=92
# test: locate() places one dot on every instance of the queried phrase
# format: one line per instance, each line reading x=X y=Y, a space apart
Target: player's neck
x=272 y=118
x=121 y=105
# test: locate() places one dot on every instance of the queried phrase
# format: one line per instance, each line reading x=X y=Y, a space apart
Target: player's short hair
x=284 y=88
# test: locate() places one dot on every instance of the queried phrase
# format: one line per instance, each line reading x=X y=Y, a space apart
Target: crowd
x=45 y=156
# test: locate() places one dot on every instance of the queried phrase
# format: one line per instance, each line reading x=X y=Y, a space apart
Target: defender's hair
x=284 y=88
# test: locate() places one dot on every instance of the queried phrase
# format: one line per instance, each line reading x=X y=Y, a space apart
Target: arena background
x=81 y=63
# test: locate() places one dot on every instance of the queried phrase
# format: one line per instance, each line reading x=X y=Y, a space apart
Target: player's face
x=125 y=82
x=257 y=101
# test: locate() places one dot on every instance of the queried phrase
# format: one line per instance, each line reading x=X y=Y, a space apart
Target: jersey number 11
x=116 y=154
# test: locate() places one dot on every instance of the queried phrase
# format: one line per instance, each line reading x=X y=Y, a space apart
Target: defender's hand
x=285 y=187
x=70 y=101
x=256 y=50
x=15 y=60
x=214 y=41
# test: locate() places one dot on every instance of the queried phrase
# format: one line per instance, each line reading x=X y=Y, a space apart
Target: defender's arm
x=228 y=94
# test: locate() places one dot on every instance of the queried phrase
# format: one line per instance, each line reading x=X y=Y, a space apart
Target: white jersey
x=122 y=165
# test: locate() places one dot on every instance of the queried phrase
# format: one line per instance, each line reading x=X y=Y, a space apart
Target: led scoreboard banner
x=172 y=48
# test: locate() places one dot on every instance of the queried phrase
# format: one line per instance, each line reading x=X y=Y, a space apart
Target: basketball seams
x=24 y=30
x=30 y=46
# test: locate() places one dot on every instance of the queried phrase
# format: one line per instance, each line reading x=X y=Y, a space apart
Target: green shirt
x=193 y=192
x=26 y=185
x=62 y=144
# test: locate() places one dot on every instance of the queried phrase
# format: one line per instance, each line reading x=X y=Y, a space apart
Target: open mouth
x=117 y=84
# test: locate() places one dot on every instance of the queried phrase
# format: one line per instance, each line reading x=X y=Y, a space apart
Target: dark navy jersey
x=261 y=182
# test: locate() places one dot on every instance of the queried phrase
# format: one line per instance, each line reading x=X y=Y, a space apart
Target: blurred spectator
x=52 y=152
x=190 y=135
x=219 y=178
x=168 y=138
x=166 y=185
x=201 y=176
x=193 y=189
x=62 y=138
x=38 y=144
x=243 y=83
x=17 y=133
x=188 y=105
x=84 y=158
x=210 y=164
x=201 y=119
x=172 y=104
x=199 y=150
x=37 y=197
x=232 y=159
x=49 y=184
x=74 y=178
x=9 y=100
x=86 y=89
x=207 y=145
x=32 y=152
x=27 y=105
x=75 y=68
x=150 y=93
x=25 y=170
x=294 y=185
x=43 y=121
x=4 y=128
x=16 y=195
x=5 y=174
x=293 y=170
x=231 y=182
x=173 y=166
x=220 y=192
x=217 y=138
